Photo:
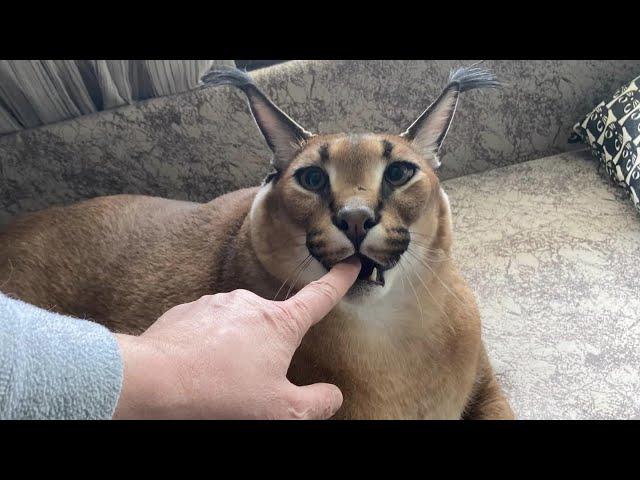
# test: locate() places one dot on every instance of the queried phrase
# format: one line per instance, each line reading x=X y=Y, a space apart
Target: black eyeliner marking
x=324 y=153
x=387 y=148
x=332 y=208
x=378 y=211
x=385 y=192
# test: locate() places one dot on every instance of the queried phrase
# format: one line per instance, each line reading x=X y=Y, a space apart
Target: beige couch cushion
x=553 y=255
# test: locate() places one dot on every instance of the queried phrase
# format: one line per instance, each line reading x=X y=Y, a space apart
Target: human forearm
x=55 y=367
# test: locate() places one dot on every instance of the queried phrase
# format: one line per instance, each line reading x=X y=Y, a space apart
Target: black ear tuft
x=228 y=76
x=429 y=130
x=469 y=78
x=283 y=135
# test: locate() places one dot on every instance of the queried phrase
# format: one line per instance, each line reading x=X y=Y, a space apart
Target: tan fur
x=414 y=351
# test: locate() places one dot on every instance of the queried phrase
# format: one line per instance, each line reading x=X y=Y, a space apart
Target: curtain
x=38 y=92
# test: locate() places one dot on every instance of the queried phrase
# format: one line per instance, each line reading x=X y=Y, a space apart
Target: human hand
x=226 y=356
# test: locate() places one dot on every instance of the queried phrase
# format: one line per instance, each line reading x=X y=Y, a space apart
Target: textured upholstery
x=198 y=145
x=552 y=254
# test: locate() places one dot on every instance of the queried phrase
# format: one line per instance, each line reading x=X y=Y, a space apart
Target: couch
x=549 y=246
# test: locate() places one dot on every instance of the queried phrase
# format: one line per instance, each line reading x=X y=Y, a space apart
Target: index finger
x=317 y=299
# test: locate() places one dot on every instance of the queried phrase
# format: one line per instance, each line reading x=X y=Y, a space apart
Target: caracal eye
x=399 y=173
x=312 y=178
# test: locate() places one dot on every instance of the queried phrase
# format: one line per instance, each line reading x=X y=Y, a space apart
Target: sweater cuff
x=56 y=367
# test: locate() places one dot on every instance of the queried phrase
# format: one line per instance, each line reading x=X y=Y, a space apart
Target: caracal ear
x=429 y=130
x=283 y=135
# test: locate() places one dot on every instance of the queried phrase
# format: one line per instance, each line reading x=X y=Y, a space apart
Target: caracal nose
x=355 y=222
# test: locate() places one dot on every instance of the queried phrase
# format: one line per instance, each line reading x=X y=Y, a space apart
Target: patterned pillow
x=612 y=130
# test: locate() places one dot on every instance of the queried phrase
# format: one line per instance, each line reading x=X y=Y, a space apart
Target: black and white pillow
x=612 y=130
